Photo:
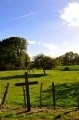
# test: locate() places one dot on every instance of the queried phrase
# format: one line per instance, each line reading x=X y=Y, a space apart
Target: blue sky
x=51 y=27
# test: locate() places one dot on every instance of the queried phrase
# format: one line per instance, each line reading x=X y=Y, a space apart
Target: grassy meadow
x=66 y=95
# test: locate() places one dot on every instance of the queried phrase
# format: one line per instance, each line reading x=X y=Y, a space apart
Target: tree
x=44 y=62
x=27 y=60
x=76 y=59
x=57 y=61
x=13 y=53
x=69 y=58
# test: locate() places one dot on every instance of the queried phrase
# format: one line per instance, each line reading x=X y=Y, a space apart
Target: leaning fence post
x=41 y=94
x=5 y=93
x=0 y=94
x=53 y=93
x=78 y=96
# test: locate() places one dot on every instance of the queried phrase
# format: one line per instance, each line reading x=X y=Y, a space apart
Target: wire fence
x=59 y=95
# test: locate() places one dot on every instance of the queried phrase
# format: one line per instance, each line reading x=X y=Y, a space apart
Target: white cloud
x=64 y=43
x=50 y=46
x=53 y=50
x=50 y=49
x=70 y=14
x=32 y=42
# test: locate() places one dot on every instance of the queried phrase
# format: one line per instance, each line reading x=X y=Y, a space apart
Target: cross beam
x=23 y=84
x=26 y=84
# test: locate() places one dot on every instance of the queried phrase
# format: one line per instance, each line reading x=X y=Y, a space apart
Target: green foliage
x=44 y=62
x=69 y=58
x=13 y=53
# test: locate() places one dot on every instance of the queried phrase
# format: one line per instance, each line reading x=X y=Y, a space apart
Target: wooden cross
x=26 y=84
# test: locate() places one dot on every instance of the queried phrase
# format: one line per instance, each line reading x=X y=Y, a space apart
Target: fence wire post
x=0 y=94
x=24 y=93
x=41 y=94
x=53 y=93
x=5 y=93
x=78 y=96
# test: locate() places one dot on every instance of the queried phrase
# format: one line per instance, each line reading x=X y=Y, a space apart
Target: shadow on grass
x=65 y=95
x=22 y=76
x=65 y=113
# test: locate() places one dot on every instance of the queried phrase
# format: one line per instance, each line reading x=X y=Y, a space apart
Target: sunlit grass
x=65 y=84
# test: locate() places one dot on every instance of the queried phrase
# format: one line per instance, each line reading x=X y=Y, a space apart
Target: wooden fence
x=27 y=95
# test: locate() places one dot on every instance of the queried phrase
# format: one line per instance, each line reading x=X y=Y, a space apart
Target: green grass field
x=66 y=95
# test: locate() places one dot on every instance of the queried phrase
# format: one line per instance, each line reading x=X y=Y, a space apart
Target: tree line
x=69 y=58
x=13 y=55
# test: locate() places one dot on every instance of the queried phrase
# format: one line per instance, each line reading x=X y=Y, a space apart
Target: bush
x=66 y=68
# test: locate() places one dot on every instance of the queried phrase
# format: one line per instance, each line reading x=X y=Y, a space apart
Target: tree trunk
x=44 y=71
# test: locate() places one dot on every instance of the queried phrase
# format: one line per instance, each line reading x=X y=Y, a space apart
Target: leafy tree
x=44 y=62
x=69 y=58
x=57 y=61
x=27 y=60
x=76 y=59
x=13 y=53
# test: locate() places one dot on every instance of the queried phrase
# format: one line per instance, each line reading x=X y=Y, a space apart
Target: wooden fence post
x=78 y=96
x=27 y=91
x=41 y=94
x=24 y=93
x=0 y=94
x=53 y=93
x=5 y=93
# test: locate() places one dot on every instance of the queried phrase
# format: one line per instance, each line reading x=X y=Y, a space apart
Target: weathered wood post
x=24 y=93
x=41 y=94
x=26 y=84
x=0 y=94
x=53 y=93
x=78 y=96
x=5 y=93
x=27 y=92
